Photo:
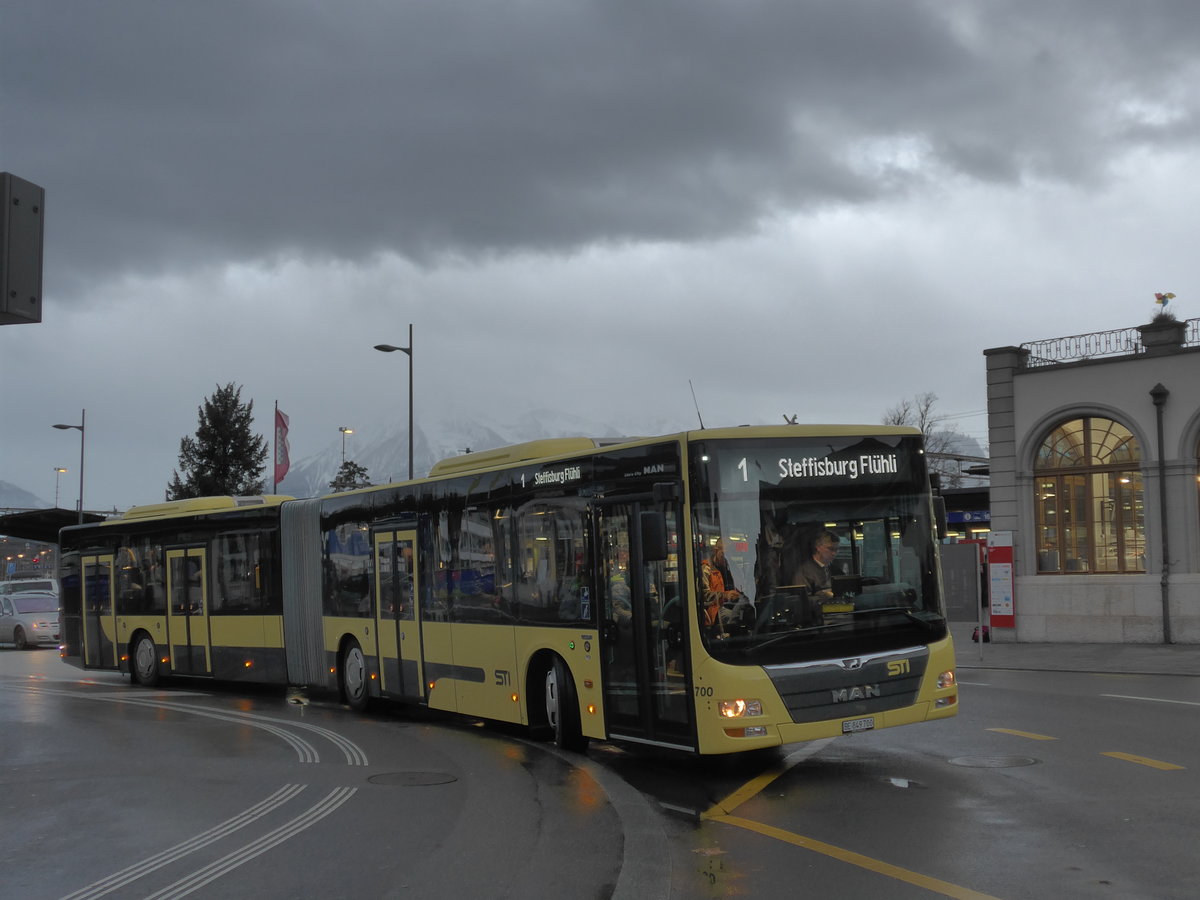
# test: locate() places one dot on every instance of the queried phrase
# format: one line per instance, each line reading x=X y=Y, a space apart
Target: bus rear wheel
x=562 y=708
x=352 y=673
x=143 y=661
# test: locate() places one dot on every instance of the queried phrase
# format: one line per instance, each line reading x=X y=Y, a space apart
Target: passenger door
x=99 y=614
x=641 y=631
x=187 y=611
x=396 y=624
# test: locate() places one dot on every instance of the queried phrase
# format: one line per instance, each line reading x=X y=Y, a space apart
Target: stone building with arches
x=1094 y=443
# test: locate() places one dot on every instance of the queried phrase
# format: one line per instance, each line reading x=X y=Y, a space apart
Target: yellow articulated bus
x=711 y=592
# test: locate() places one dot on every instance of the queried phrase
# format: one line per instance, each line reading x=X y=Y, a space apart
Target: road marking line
x=936 y=885
x=755 y=785
x=226 y=864
x=132 y=873
x=1144 y=761
x=1152 y=699
x=1024 y=734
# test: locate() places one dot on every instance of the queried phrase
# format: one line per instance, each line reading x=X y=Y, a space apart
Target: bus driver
x=814 y=572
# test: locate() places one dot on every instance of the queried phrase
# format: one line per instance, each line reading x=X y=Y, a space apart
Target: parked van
x=21 y=585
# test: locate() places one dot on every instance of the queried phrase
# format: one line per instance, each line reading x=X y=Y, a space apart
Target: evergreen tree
x=350 y=476
x=225 y=457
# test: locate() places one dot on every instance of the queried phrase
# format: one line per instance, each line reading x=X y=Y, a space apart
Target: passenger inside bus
x=722 y=602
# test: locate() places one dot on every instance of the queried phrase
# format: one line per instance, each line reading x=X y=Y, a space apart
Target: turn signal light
x=748 y=731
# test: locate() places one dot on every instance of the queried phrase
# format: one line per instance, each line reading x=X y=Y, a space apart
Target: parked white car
x=21 y=585
x=29 y=619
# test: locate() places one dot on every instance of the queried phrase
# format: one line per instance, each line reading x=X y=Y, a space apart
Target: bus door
x=187 y=611
x=641 y=631
x=99 y=612
x=396 y=624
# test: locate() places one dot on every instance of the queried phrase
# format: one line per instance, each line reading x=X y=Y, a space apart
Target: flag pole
x=275 y=449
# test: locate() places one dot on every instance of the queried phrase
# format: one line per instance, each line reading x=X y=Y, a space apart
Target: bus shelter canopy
x=42 y=524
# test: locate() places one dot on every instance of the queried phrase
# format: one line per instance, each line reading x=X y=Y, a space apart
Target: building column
x=1002 y=364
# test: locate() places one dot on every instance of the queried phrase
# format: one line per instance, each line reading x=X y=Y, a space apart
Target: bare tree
x=920 y=411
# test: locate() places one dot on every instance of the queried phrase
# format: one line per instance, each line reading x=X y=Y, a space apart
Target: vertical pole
x=410 y=401
x=275 y=449
x=1159 y=395
x=82 y=438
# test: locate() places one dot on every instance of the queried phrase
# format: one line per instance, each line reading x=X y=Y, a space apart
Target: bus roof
x=486 y=459
x=197 y=506
x=551 y=447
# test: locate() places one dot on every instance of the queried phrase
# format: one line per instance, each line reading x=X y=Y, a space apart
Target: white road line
x=157 y=861
x=307 y=753
x=355 y=756
x=304 y=750
x=228 y=863
x=1152 y=699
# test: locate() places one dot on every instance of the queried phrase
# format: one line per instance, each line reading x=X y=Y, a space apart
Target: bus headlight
x=947 y=680
x=736 y=709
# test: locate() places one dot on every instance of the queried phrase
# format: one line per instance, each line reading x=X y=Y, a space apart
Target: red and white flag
x=281 y=446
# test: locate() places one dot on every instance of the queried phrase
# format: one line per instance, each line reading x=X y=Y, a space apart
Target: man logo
x=854 y=663
x=864 y=692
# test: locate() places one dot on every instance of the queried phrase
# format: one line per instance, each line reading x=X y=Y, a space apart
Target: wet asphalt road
x=1046 y=785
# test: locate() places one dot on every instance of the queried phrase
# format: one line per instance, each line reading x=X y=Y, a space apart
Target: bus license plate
x=851 y=726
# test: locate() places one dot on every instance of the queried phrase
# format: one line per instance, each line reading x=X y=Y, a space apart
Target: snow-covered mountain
x=386 y=457
x=13 y=497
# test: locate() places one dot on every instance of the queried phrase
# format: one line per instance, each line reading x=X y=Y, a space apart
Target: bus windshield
x=814 y=546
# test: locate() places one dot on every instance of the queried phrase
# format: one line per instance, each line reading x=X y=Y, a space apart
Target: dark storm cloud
x=170 y=134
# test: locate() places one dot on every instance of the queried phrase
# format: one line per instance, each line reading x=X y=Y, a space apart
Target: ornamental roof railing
x=1119 y=342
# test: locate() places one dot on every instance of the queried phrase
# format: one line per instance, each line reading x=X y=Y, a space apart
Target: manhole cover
x=412 y=779
x=993 y=762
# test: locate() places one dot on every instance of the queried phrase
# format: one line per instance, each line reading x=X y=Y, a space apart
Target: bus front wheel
x=352 y=673
x=562 y=708
x=144 y=661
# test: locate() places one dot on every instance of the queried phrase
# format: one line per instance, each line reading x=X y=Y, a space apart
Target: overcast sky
x=805 y=208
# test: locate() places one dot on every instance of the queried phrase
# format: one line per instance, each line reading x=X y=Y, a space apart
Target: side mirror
x=654 y=536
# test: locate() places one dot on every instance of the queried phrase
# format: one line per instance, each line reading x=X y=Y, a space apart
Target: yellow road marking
x=1025 y=734
x=756 y=784
x=1144 y=761
x=936 y=885
x=742 y=794
x=721 y=812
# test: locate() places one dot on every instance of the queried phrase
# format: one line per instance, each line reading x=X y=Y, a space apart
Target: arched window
x=1089 y=499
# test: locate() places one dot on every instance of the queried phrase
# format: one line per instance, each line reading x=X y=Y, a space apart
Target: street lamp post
x=345 y=431
x=58 y=470
x=388 y=348
x=81 y=428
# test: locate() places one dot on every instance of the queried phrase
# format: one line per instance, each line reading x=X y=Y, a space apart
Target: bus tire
x=352 y=676
x=143 y=661
x=562 y=708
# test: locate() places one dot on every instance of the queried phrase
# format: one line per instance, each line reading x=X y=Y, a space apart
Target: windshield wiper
x=933 y=624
